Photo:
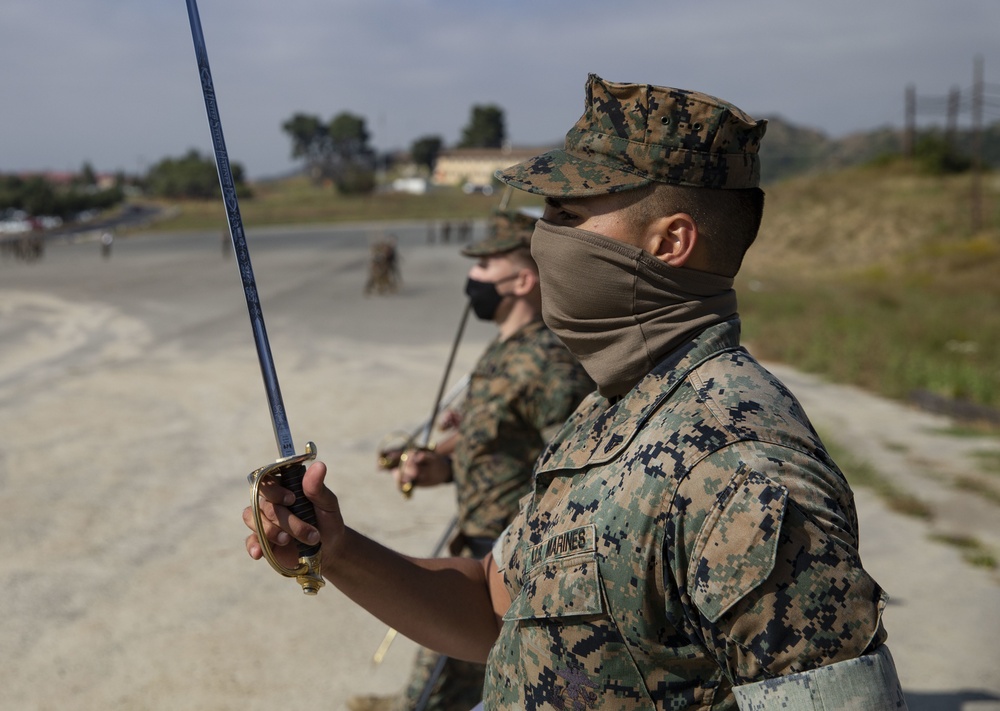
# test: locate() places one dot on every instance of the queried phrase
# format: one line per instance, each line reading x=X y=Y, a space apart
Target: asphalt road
x=131 y=408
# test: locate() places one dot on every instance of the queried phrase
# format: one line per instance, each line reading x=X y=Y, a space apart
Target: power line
x=980 y=101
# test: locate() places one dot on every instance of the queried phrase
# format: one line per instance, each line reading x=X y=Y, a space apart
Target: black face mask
x=484 y=297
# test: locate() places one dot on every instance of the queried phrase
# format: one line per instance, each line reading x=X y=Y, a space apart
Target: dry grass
x=872 y=276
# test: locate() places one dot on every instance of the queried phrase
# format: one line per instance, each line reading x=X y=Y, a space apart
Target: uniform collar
x=600 y=429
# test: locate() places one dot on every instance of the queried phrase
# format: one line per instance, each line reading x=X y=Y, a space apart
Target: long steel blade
x=282 y=432
x=444 y=378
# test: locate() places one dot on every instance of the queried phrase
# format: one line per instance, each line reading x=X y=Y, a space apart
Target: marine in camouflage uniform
x=688 y=541
x=520 y=392
x=383 y=268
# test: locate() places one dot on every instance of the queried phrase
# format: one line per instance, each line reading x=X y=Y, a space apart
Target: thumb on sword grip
x=291 y=479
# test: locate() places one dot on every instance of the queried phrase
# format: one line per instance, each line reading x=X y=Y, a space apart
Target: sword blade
x=444 y=379
x=282 y=432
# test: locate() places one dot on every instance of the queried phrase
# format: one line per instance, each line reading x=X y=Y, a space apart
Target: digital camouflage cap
x=631 y=135
x=506 y=232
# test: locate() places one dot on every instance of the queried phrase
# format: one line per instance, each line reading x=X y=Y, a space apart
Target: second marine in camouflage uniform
x=520 y=392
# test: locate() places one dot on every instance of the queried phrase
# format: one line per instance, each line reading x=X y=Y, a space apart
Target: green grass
x=973 y=551
x=889 y=336
x=978 y=487
x=874 y=278
x=967 y=430
x=297 y=201
x=861 y=473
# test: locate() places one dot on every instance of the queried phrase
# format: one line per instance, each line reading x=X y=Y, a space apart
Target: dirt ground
x=131 y=409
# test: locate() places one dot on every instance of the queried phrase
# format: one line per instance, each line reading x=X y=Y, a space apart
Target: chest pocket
x=561 y=578
x=568 y=651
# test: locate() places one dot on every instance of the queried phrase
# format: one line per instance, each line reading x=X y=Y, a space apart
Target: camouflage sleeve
x=773 y=589
x=868 y=682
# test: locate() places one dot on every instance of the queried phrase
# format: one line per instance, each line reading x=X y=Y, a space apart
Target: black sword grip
x=291 y=479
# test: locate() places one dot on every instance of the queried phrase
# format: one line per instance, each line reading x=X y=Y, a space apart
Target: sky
x=114 y=83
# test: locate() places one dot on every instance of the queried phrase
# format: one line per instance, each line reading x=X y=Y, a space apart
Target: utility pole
x=910 y=121
x=951 y=127
x=977 y=145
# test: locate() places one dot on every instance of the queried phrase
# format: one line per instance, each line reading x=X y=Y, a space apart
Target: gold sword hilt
x=308 y=572
x=395 y=449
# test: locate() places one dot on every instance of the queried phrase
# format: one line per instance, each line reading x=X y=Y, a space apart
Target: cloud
x=114 y=82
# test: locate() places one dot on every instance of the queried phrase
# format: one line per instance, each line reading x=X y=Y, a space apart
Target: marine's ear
x=526 y=281
x=673 y=239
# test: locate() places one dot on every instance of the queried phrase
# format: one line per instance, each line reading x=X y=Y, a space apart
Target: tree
x=87 y=177
x=337 y=151
x=192 y=176
x=425 y=150
x=39 y=197
x=310 y=141
x=353 y=168
x=937 y=156
x=348 y=135
x=485 y=128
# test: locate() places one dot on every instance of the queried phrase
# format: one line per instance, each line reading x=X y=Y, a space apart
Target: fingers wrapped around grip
x=283 y=526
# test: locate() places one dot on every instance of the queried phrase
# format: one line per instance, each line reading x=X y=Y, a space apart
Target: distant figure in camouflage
x=520 y=392
x=30 y=247
x=688 y=542
x=383 y=268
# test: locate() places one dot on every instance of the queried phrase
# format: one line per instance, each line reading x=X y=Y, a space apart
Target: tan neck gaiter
x=619 y=309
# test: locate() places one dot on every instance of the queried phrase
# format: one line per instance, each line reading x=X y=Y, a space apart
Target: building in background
x=473 y=168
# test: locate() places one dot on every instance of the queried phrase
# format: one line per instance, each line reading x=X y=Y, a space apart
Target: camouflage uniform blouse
x=693 y=536
x=520 y=393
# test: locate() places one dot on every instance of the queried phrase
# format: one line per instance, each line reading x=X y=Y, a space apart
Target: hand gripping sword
x=425 y=440
x=290 y=468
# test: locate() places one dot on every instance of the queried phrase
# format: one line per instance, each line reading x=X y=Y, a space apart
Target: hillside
x=789 y=149
x=891 y=217
x=873 y=276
